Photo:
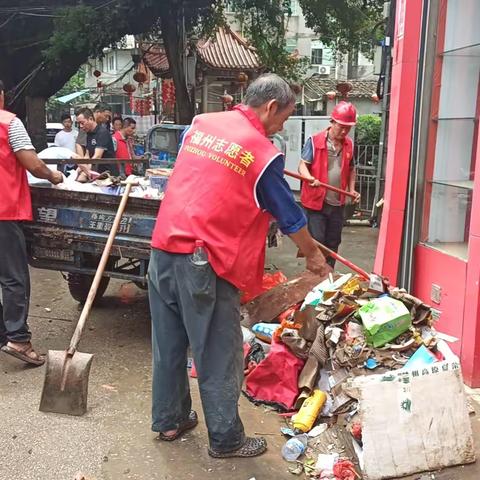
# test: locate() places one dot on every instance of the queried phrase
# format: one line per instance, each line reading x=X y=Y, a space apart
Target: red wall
x=434 y=267
x=471 y=316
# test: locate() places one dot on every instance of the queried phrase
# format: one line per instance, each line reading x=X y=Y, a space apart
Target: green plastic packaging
x=384 y=319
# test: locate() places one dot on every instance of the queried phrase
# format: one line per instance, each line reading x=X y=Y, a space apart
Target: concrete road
x=113 y=440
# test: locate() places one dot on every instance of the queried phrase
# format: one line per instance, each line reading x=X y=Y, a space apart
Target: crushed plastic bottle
x=199 y=256
x=294 y=447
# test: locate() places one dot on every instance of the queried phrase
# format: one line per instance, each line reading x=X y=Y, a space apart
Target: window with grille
x=317 y=56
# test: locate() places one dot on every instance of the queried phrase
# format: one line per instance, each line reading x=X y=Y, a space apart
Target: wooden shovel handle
x=99 y=273
x=325 y=185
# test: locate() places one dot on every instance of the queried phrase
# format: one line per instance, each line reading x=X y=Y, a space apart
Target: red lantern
x=99 y=84
x=97 y=73
x=344 y=88
x=242 y=77
x=140 y=77
x=129 y=88
x=331 y=95
x=168 y=92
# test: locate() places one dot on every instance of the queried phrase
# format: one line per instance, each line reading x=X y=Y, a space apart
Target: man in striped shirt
x=17 y=155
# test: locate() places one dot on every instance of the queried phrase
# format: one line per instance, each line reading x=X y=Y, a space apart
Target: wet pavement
x=113 y=440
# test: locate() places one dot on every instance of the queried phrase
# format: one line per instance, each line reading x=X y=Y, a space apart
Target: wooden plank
x=266 y=307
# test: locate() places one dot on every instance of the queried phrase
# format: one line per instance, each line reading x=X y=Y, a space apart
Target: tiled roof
x=228 y=51
x=316 y=88
x=156 y=59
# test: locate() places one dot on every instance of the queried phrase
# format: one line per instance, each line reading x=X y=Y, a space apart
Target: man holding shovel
x=208 y=243
x=328 y=157
x=17 y=155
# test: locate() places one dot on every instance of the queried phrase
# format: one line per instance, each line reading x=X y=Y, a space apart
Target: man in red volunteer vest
x=328 y=157
x=209 y=243
x=17 y=155
x=123 y=138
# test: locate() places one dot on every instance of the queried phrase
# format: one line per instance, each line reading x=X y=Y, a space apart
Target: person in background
x=227 y=183
x=67 y=137
x=117 y=123
x=17 y=156
x=328 y=157
x=124 y=148
x=99 y=145
x=102 y=115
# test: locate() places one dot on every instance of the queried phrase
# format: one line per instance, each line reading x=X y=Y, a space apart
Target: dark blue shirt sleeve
x=275 y=196
x=307 y=151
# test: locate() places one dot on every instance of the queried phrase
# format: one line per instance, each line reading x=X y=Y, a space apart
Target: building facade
x=430 y=232
x=304 y=42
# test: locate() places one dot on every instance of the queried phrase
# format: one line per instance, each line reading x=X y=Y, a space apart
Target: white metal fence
x=366 y=164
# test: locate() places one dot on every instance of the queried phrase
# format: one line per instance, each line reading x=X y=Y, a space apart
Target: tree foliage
x=76 y=83
x=265 y=24
x=344 y=25
x=367 y=130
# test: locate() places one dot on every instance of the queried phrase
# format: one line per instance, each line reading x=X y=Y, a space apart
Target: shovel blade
x=65 y=389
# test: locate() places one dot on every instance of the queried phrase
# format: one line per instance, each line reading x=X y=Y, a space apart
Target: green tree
x=345 y=25
x=265 y=24
x=37 y=64
x=367 y=130
x=76 y=83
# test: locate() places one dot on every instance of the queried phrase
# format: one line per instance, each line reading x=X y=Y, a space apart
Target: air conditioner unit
x=323 y=69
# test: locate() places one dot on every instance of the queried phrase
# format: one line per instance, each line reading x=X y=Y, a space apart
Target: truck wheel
x=79 y=286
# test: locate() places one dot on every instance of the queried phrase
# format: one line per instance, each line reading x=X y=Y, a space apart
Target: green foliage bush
x=367 y=130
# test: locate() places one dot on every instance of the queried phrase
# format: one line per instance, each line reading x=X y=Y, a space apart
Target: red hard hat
x=344 y=113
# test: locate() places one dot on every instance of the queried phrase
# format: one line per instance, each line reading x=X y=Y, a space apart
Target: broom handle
x=99 y=273
x=325 y=185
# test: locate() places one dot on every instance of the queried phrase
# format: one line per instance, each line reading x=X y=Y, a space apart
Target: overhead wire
x=8 y=20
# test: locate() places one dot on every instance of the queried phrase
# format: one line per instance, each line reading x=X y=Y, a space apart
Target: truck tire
x=79 y=286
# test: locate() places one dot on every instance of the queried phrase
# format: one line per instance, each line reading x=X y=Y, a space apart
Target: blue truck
x=70 y=229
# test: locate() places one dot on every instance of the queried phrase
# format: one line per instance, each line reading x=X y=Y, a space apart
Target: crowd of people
x=100 y=136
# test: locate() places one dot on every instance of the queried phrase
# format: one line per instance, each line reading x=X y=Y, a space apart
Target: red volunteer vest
x=211 y=196
x=313 y=197
x=15 y=201
x=123 y=151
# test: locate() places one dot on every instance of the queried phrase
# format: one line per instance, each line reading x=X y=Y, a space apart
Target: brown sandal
x=27 y=354
x=191 y=422
x=252 y=447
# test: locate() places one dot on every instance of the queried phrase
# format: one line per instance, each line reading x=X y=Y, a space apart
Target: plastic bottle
x=199 y=256
x=294 y=447
x=311 y=407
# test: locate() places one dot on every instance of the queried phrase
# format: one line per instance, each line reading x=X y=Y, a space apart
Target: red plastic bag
x=275 y=380
x=269 y=281
x=344 y=470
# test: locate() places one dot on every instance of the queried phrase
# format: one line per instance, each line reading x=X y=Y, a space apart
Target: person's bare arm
x=98 y=153
x=351 y=185
x=315 y=261
x=29 y=159
x=85 y=168
x=304 y=170
x=80 y=150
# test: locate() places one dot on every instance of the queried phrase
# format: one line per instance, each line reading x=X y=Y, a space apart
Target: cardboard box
x=413 y=420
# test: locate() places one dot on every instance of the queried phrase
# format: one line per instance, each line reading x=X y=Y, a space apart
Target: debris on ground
x=327 y=349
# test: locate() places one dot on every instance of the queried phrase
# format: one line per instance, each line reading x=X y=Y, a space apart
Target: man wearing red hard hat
x=328 y=157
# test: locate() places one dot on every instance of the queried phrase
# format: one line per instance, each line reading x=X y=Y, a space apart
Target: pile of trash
x=151 y=186
x=301 y=364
